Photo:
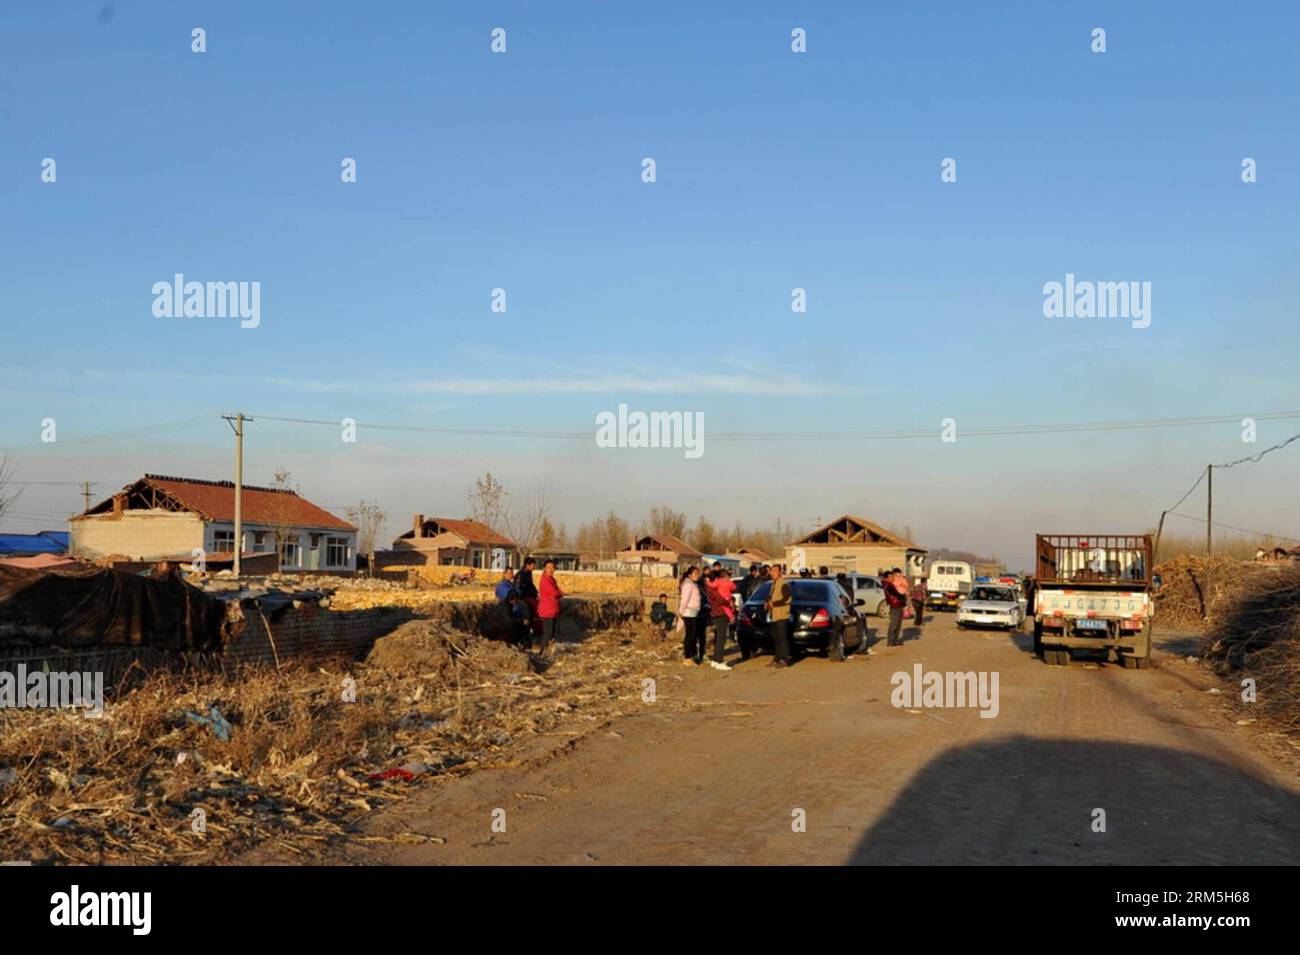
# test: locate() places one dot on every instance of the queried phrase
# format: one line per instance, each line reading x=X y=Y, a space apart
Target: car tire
x=835 y=647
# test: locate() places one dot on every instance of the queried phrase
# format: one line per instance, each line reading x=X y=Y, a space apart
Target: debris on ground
x=297 y=756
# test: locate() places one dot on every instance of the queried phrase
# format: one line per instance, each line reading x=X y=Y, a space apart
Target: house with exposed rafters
x=659 y=555
x=851 y=544
x=161 y=518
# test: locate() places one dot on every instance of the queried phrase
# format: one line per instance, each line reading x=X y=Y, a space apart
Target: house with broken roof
x=159 y=517
x=450 y=542
x=660 y=555
x=854 y=544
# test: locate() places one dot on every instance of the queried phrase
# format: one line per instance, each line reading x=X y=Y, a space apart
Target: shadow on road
x=1024 y=801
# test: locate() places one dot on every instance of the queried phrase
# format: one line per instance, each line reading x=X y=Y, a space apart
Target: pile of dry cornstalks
x=307 y=747
x=1256 y=634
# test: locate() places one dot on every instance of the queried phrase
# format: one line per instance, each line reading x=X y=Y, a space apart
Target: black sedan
x=820 y=616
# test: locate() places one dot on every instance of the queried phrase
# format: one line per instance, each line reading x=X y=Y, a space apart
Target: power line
x=1232 y=527
x=140 y=432
x=848 y=435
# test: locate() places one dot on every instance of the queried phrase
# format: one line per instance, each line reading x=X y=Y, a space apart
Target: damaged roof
x=215 y=501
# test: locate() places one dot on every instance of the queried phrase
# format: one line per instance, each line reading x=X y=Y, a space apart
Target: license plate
x=1092 y=625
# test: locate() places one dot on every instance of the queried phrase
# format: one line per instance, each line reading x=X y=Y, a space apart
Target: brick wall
x=307 y=631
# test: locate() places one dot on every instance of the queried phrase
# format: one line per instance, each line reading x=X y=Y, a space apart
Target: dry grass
x=297 y=768
x=1256 y=634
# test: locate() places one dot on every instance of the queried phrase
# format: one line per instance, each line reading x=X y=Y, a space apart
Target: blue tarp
x=26 y=545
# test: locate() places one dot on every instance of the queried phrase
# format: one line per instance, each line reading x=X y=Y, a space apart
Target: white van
x=950 y=581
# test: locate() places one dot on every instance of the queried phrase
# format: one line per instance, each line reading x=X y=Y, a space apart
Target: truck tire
x=1038 y=639
x=1140 y=658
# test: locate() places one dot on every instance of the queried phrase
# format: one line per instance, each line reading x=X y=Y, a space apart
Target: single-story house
x=745 y=556
x=564 y=560
x=660 y=555
x=159 y=517
x=852 y=544
x=446 y=541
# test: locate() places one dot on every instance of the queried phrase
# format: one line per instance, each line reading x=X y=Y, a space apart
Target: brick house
x=450 y=542
x=160 y=517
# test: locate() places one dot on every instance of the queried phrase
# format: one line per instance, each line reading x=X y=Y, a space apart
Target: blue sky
x=775 y=171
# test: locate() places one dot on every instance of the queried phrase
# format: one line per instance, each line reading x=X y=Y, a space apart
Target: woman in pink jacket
x=689 y=606
x=548 y=604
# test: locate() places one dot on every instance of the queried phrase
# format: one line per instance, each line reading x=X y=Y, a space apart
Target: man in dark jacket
x=527 y=590
x=896 y=596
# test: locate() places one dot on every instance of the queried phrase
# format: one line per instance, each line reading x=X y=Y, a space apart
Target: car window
x=990 y=593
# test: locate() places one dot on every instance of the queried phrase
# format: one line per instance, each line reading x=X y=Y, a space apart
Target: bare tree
x=369 y=518
x=281 y=516
x=6 y=476
x=487 y=501
x=526 y=519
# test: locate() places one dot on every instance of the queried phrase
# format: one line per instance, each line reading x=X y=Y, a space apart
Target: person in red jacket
x=723 y=613
x=548 y=604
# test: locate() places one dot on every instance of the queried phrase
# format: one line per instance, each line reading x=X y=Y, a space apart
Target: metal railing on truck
x=1094 y=559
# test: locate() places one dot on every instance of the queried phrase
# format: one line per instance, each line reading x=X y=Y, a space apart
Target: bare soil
x=717 y=768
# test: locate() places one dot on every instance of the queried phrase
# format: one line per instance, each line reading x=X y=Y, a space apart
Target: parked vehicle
x=991 y=605
x=821 y=616
x=950 y=581
x=1093 y=592
x=867 y=588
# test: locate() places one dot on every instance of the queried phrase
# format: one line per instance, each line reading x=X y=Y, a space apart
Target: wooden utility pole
x=1209 y=534
x=237 y=422
x=85 y=496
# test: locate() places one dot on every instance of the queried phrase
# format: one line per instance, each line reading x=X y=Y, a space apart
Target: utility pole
x=1209 y=534
x=237 y=423
x=85 y=496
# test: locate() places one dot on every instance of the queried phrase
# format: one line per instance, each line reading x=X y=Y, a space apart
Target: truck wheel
x=1038 y=639
x=1140 y=658
x=835 y=647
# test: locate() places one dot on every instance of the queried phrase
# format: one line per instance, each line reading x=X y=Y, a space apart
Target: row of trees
x=526 y=519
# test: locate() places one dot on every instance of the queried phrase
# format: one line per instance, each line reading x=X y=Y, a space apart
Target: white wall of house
x=139 y=534
x=317 y=548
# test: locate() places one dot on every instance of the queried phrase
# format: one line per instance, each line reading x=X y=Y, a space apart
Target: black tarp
x=94 y=607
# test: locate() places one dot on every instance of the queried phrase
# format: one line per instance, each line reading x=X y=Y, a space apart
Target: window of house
x=263 y=542
x=291 y=553
x=336 y=552
x=476 y=559
x=223 y=540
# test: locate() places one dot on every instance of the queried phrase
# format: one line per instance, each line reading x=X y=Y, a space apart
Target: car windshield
x=990 y=593
x=804 y=591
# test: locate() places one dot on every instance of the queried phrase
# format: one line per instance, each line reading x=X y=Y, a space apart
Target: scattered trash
x=300 y=770
x=1214 y=689
x=219 y=724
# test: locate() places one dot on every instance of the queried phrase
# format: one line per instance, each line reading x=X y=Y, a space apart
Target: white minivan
x=950 y=581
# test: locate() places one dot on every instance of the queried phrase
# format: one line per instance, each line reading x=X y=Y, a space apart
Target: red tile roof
x=473 y=532
x=215 y=501
x=668 y=542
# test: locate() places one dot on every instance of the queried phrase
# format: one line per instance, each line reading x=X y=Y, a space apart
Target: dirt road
x=722 y=780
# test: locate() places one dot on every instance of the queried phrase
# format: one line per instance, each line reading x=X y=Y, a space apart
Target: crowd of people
x=533 y=605
x=705 y=602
